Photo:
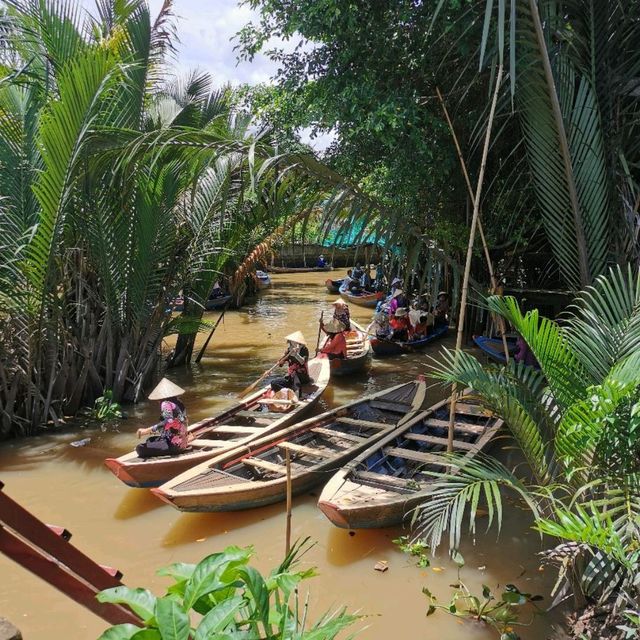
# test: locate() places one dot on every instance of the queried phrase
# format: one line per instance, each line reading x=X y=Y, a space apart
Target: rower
x=341 y=313
x=321 y=263
x=296 y=357
x=335 y=346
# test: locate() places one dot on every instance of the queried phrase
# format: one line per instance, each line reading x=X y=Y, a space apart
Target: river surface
x=131 y=530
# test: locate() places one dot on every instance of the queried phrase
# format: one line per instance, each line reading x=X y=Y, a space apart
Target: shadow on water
x=135 y=503
x=190 y=527
x=344 y=546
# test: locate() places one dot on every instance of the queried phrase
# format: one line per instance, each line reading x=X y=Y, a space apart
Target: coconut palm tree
x=577 y=421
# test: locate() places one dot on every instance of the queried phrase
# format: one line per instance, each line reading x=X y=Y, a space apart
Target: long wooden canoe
x=358 y=351
x=365 y=299
x=494 y=348
x=273 y=269
x=396 y=348
x=255 y=474
x=333 y=286
x=386 y=482
x=244 y=421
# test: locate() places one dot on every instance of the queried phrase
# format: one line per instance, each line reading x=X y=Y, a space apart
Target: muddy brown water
x=131 y=530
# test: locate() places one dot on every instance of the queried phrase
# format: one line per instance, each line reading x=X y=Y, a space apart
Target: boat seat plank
x=232 y=428
x=204 y=442
x=337 y=434
x=265 y=465
x=259 y=414
x=307 y=451
x=365 y=423
x=457 y=444
x=467 y=409
x=397 y=407
x=461 y=427
x=417 y=456
x=384 y=479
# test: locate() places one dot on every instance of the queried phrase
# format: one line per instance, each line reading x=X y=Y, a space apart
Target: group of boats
x=376 y=455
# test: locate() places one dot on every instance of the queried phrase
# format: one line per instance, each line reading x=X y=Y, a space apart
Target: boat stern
x=119 y=470
x=334 y=513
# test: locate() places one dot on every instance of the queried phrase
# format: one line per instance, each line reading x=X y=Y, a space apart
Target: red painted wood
x=40 y=535
x=60 y=531
x=50 y=571
x=112 y=571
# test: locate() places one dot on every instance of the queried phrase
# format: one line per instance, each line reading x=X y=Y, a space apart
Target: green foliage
x=416 y=549
x=576 y=421
x=232 y=599
x=502 y=614
x=105 y=408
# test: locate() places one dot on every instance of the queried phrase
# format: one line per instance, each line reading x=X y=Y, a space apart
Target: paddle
x=319 y=332
x=251 y=387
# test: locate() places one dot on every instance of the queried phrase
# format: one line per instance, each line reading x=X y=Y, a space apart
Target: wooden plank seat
x=264 y=465
x=203 y=443
x=460 y=427
x=467 y=409
x=397 y=407
x=272 y=415
x=337 y=434
x=384 y=479
x=232 y=428
x=457 y=444
x=364 y=423
x=417 y=456
x=307 y=451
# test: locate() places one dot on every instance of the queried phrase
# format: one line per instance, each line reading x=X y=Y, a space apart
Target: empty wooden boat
x=358 y=351
x=494 y=348
x=386 y=482
x=364 y=299
x=333 y=286
x=255 y=474
x=244 y=421
x=390 y=347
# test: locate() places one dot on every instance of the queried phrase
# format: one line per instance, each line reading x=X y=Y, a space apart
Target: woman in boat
x=400 y=325
x=335 y=346
x=287 y=397
x=442 y=309
x=366 y=280
x=296 y=358
x=169 y=437
x=380 y=326
x=398 y=300
x=341 y=313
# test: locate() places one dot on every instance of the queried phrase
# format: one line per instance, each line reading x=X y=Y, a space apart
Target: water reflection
x=345 y=547
x=136 y=503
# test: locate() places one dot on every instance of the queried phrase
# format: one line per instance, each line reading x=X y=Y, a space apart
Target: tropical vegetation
x=576 y=420
x=229 y=599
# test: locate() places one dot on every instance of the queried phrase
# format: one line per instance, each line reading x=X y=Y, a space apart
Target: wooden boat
x=273 y=269
x=217 y=303
x=255 y=474
x=358 y=351
x=395 y=348
x=386 y=482
x=333 y=286
x=494 y=348
x=364 y=299
x=244 y=421
x=263 y=280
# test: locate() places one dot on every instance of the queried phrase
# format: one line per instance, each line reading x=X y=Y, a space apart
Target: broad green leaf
x=141 y=601
x=173 y=621
x=218 y=618
x=120 y=632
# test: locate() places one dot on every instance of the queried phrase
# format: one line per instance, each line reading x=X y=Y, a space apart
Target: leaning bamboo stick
x=467 y=267
x=487 y=255
x=288 y=527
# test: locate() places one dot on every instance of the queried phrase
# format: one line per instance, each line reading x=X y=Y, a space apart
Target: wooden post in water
x=287 y=547
x=467 y=267
x=487 y=255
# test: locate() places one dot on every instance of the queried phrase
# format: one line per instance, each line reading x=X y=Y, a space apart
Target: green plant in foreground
x=416 y=549
x=232 y=600
x=502 y=614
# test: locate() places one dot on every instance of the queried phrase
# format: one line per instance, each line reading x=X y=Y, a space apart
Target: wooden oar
x=319 y=332
x=251 y=387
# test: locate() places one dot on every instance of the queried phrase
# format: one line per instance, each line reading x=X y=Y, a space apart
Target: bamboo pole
x=485 y=246
x=215 y=326
x=467 y=267
x=288 y=526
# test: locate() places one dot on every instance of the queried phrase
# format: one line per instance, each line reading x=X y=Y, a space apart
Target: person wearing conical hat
x=398 y=300
x=335 y=345
x=400 y=325
x=296 y=357
x=169 y=437
x=341 y=313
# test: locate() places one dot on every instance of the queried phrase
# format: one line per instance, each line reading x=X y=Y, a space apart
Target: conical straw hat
x=338 y=301
x=165 y=389
x=296 y=336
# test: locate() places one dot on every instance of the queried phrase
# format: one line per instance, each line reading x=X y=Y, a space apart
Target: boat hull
x=383 y=486
x=385 y=348
x=333 y=286
x=369 y=300
x=217 y=303
x=153 y=472
x=494 y=348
